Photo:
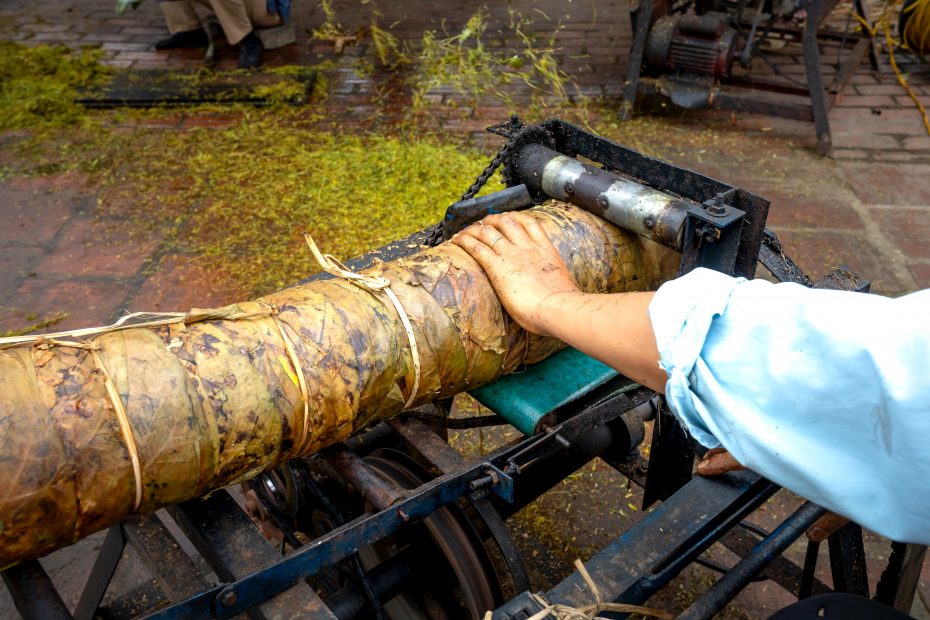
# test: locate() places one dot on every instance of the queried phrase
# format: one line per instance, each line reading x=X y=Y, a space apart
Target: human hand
x=522 y=264
x=718 y=461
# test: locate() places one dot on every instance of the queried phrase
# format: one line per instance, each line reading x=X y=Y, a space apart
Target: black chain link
x=511 y=128
x=773 y=256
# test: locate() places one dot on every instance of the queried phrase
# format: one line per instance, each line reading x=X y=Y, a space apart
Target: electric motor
x=696 y=44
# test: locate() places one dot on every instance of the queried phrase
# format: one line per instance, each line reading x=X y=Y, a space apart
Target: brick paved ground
x=868 y=208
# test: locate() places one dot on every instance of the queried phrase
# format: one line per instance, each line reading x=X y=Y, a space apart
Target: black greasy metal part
x=521 y=607
x=847 y=560
x=671 y=458
x=233 y=547
x=442 y=456
x=728 y=586
x=470 y=210
x=278 y=574
x=503 y=539
x=814 y=73
x=898 y=584
x=428 y=444
x=33 y=593
x=666 y=539
x=711 y=236
x=386 y=580
x=842 y=279
x=781 y=570
x=378 y=436
x=108 y=558
x=681 y=182
x=452 y=535
x=175 y=572
x=806 y=587
x=590 y=192
x=887 y=586
x=772 y=256
x=379 y=492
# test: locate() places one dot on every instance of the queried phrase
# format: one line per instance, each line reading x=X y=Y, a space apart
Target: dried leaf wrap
x=213 y=401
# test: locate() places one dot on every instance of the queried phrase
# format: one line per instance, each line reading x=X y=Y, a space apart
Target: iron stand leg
x=874 y=57
x=671 y=458
x=847 y=560
x=100 y=575
x=810 y=565
x=898 y=583
x=33 y=593
x=643 y=19
x=728 y=586
x=815 y=85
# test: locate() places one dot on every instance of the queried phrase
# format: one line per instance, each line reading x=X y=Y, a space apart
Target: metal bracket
x=495 y=479
x=717 y=223
x=465 y=212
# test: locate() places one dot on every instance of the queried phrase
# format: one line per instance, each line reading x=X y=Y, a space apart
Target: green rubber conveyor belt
x=524 y=398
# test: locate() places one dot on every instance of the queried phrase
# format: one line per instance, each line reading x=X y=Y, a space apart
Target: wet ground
x=867 y=207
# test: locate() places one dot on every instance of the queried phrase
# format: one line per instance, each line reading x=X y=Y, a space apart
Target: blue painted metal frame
x=337 y=545
x=344 y=541
x=657 y=547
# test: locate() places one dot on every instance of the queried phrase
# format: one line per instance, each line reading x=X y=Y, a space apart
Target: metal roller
x=627 y=203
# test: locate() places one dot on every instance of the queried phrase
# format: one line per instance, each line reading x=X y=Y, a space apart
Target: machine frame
x=723 y=228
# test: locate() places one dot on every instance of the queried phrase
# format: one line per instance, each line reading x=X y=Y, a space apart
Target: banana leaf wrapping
x=214 y=398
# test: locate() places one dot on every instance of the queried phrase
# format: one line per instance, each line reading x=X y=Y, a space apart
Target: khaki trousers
x=237 y=17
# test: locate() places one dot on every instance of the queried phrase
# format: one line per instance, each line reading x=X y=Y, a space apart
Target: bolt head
x=229 y=598
x=569 y=189
x=716 y=210
x=649 y=223
x=602 y=202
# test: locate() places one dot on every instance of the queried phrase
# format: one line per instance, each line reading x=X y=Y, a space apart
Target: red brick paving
x=91 y=246
x=867 y=208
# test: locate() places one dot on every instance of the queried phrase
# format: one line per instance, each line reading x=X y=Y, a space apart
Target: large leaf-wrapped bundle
x=96 y=427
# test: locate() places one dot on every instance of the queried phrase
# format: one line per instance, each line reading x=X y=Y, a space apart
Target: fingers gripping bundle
x=96 y=427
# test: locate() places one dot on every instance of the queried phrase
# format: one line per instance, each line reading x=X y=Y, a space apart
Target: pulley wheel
x=460 y=581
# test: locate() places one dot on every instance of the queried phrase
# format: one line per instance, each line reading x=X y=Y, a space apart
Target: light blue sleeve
x=826 y=393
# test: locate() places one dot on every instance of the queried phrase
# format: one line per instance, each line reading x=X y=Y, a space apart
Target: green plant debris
x=45 y=323
x=240 y=197
x=464 y=64
x=38 y=85
x=387 y=47
x=461 y=63
x=331 y=29
x=285 y=91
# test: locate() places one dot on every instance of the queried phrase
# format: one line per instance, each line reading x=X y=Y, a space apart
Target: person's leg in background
x=183 y=24
x=239 y=18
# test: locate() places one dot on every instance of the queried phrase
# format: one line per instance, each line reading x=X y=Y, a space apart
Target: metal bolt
x=602 y=202
x=650 y=223
x=569 y=189
x=716 y=210
x=403 y=515
x=228 y=598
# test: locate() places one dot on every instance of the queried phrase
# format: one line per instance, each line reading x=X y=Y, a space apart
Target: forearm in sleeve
x=823 y=392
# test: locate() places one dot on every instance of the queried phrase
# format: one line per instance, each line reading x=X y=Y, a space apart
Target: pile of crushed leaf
x=237 y=196
x=39 y=85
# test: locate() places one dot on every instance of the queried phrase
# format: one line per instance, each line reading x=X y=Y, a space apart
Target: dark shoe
x=250 y=51
x=188 y=38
